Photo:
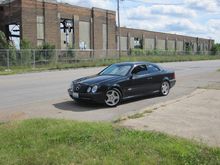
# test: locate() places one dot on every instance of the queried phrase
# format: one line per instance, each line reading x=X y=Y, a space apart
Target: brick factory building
x=65 y=25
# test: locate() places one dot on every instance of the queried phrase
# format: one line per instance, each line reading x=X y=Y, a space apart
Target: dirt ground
x=194 y=116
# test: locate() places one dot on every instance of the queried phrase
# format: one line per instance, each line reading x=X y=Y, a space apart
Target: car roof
x=133 y=63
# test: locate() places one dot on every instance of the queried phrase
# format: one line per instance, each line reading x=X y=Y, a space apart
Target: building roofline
x=92 y=8
x=166 y=33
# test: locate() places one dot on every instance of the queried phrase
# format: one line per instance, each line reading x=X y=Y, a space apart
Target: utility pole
x=119 y=27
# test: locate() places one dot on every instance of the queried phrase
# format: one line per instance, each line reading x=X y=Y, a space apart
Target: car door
x=155 y=77
x=139 y=83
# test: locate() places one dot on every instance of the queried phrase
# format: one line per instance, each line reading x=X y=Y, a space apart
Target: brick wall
x=28 y=19
x=25 y=13
x=10 y=13
x=157 y=36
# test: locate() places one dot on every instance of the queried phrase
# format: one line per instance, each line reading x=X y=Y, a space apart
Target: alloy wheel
x=165 y=88
x=112 y=98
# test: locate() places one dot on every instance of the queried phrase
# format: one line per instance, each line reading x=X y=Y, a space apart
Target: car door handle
x=149 y=78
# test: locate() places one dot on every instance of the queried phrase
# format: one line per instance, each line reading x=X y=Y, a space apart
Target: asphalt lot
x=44 y=94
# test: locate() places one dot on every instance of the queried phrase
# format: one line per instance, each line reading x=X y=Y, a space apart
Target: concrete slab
x=194 y=116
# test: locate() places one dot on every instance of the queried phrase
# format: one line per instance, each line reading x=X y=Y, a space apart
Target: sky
x=198 y=18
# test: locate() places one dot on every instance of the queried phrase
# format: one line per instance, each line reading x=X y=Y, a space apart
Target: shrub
x=45 y=54
x=3 y=41
x=216 y=49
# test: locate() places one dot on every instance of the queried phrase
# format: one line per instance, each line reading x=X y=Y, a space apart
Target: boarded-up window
x=124 y=45
x=170 y=45
x=132 y=42
x=104 y=36
x=201 y=47
x=40 y=30
x=161 y=44
x=150 y=43
x=206 y=47
x=179 y=46
x=84 y=35
x=195 y=47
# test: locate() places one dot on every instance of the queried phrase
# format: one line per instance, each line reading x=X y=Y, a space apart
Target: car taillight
x=174 y=76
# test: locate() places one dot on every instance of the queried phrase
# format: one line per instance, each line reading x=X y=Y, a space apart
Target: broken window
x=13 y=34
x=66 y=31
x=137 y=43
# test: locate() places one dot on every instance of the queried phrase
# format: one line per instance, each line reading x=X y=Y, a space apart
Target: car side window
x=152 y=69
x=140 y=70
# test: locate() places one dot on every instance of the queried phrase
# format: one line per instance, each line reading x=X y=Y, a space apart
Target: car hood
x=98 y=79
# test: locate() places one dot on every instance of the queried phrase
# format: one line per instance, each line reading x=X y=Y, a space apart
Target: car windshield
x=120 y=70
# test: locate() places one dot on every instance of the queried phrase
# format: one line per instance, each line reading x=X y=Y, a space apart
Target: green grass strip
x=56 y=142
x=104 y=62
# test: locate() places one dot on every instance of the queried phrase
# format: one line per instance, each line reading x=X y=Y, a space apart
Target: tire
x=113 y=97
x=165 y=88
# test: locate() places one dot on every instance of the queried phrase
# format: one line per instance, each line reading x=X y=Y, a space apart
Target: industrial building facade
x=69 y=26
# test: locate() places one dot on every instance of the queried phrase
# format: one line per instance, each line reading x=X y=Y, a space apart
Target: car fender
x=117 y=86
x=166 y=79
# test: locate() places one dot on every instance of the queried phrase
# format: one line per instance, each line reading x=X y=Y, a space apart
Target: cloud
x=173 y=10
x=142 y=12
x=206 y=5
x=213 y=29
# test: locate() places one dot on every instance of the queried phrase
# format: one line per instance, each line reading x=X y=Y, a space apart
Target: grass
x=104 y=62
x=134 y=116
x=44 y=141
x=140 y=114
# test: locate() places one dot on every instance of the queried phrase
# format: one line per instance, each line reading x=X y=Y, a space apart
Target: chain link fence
x=40 y=58
x=35 y=58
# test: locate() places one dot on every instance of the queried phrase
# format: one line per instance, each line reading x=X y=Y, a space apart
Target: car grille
x=80 y=88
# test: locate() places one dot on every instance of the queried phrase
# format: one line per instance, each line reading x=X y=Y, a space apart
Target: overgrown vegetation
x=10 y=55
x=27 y=56
x=45 y=57
x=216 y=49
x=67 y=142
x=3 y=41
x=104 y=62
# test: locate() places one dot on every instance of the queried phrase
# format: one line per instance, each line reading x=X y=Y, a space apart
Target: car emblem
x=78 y=87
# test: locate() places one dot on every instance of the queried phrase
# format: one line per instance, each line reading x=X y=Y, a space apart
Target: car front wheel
x=165 y=88
x=113 y=97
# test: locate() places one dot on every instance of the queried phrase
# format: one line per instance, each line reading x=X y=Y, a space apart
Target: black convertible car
x=122 y=81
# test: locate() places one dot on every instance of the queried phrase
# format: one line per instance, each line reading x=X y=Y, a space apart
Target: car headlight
x=89 y=89
x=94 y=89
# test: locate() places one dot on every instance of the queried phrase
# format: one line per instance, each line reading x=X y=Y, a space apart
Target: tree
x=216 y=49
x=3 y=41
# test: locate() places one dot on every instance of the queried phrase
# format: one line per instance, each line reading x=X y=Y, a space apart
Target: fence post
x=34 y=58
x=8 y=62
x=56 y=57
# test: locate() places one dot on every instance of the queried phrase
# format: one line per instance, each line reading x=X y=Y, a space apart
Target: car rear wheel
x=113 y=97
x=165 y=88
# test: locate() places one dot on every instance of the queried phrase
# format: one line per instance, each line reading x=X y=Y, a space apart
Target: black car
x=122 y=81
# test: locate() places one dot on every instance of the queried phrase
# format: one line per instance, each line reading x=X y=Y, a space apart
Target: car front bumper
x=98 y=97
